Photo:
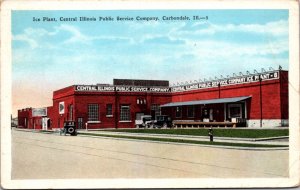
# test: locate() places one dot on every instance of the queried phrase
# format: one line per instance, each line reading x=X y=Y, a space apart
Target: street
x=50 y=156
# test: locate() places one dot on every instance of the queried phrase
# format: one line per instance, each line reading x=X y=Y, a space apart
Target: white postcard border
x=6 y=98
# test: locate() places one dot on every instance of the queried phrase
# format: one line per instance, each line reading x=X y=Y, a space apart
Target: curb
x=94 y=135
x=271 y=138
x=191 y=136
x=190 y=144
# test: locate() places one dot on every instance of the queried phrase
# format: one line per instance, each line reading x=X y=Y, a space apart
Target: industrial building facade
x=254 y=100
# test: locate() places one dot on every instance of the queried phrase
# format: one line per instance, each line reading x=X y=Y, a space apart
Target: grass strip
x=240 y=133
x=186 y=141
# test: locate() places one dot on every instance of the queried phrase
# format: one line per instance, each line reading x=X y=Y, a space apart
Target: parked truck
x=163 y=121
x=145 y=121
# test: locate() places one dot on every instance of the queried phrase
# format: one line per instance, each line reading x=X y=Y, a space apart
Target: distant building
x=14 y=122
x=35 y=118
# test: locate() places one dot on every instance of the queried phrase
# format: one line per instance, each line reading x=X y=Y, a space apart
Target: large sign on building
x=106 y=88
x=228 y=81
x=39 y=112
x=195 y=86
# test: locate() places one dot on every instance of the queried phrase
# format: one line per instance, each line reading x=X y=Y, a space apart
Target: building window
x=178 y=111
x=93 y=112
x=141 y=101
x=125 y=113
x=191 y=111
x=156 y=109
x=109 y=110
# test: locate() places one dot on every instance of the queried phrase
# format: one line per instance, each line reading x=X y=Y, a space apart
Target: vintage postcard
x=149 y=94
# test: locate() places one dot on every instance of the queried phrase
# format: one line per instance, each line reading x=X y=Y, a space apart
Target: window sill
x=109 y=116
x=91 y=122
x=125 y=121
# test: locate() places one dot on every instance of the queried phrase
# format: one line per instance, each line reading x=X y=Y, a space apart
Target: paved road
x=50 y=156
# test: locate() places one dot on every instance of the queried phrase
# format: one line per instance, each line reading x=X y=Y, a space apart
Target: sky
x=50 y=55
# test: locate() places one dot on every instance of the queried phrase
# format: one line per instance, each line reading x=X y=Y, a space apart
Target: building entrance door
x=79 y=123
x=45 y=123
x=49 y=123
x=236 y=112
x=211 y=114
x=208 y=114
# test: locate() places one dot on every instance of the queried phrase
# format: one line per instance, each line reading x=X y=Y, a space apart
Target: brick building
x=109 y=106
x=35 y=118
x=254 y=100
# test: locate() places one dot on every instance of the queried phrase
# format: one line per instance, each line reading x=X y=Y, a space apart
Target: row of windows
x=234 y=110
x=93 y=112
x=190 y=111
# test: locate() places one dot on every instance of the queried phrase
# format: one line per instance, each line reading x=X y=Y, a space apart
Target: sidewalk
x=261 y=141
x=197 y=138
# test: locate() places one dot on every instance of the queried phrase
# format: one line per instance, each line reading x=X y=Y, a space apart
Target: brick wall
x=284 y=95
x=24 y=116
x=25 y=119
x=80 y=100
x=271 y=97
